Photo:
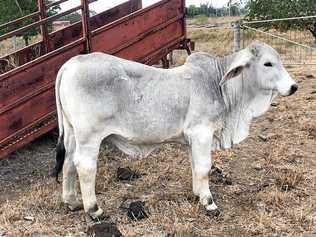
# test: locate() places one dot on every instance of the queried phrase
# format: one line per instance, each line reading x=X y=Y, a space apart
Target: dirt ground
x=273 y=190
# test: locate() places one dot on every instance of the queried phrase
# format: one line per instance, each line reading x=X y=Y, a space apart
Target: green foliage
x=274 y=9
x=13 y=9
x=208 y=10
x=192 y=11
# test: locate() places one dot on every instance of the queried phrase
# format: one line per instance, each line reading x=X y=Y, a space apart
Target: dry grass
x=273 y=191
x=213 y=20
x=220 y=41
x=7 y=46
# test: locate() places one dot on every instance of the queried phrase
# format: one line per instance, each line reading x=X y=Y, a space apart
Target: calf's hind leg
x=70 y=197
x=85 y=160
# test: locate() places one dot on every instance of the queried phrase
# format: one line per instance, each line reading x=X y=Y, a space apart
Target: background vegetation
x=13 y=9
x=274 y=9
x=233 y=8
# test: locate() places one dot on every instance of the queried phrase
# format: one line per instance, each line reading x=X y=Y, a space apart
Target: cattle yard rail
x=27 y=99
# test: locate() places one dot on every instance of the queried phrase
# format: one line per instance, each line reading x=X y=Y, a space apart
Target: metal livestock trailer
x=27 y=100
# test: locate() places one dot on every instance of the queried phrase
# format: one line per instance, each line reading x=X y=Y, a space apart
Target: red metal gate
x=27 y=101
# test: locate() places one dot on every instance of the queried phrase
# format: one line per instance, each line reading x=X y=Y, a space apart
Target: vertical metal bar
x=237 y=36
x=165 y=62
x=184 y=25
x=242 y=35
x=86 y=24
x=185 y=42
x=171 y=58
x=44 y=33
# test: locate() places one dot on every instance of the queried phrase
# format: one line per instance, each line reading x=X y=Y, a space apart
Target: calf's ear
x=236 y=68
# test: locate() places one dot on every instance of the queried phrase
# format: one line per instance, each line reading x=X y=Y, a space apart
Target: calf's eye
x=268 y=64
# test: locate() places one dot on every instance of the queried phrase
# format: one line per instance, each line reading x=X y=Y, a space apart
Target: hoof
x=95 y=215
x=213 y=213
x=72 y=202
x=104 y=229
x=208 y=203
x=211 y=207
x=74 y=207
x=93 y=220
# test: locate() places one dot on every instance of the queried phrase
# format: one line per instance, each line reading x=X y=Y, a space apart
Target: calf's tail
x=60 y=148
x=60 y=157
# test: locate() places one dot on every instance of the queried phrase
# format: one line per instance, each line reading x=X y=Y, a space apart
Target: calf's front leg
x=201 y=163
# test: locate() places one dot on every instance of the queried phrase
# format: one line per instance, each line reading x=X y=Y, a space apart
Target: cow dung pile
x=103 y=229
x=126 y=174
x=136 y=210
x=217 y=176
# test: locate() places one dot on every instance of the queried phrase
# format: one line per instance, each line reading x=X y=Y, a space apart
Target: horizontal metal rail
x=279 y=37
x=143 y=35
x=38 y=23
x=34 y=14
x=130 y=16
x=41 y=59
x=29 y=130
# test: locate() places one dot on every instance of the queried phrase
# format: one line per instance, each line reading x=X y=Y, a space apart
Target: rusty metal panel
x=139 y=24
x=28 y=134
x=27 y=112
x=15 y=86
x=27 y=101
x=73 y=32
x=24 y=110
x=151 y=43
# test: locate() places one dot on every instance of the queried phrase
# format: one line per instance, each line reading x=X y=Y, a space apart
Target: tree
x=207 y=9
x=233 y=8
x=272 y=9
x=13 y=9
x=192 y=11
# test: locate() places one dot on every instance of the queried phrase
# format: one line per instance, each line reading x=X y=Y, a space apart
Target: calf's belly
x=143 y=142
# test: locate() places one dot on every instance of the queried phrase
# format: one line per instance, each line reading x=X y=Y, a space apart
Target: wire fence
x=296 y=44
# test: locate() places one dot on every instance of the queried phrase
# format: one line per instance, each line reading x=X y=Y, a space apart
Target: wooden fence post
x=236 y=36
